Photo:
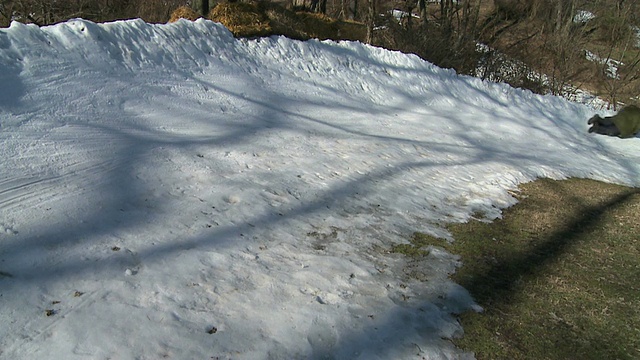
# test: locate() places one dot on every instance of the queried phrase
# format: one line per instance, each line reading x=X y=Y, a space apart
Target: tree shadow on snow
x=126 y=195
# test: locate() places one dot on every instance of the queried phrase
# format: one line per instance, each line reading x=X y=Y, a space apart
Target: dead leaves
x=51 y=312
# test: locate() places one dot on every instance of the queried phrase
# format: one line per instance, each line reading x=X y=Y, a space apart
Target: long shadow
x=500 y=282
x=11 y=87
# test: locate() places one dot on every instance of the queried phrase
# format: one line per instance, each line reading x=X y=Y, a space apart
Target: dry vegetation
x=246 y=19
x=46 y=12
x=252 y=19
x=553 y=40
x=184 y=12
x=527 y=38
x=524 y=38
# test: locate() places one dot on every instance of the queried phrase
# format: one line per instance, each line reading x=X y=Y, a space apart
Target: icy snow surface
x=167 y=191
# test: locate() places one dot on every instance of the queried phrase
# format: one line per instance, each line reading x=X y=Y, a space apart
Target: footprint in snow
x=7 y=230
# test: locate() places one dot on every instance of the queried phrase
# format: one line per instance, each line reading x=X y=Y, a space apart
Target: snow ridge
x=170 y=191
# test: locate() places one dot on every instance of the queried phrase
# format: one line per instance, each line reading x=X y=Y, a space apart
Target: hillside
x=169 y=191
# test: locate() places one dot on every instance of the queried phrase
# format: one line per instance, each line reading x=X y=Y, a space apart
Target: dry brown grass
x=242 y=19
x=557 y=276
x=184 y=12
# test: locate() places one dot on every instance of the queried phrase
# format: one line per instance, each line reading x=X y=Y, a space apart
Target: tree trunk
x=201 y=7
x=323 y=7
x=314 y=6
x=446 y=15
x=355 y=9
x=343 y=10
x=422 y=6
x=205 y=7
x=370 y=20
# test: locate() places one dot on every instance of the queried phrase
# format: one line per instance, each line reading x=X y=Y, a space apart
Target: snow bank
x=169 y=191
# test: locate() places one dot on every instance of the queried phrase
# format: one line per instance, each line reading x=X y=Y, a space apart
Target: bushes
x=46 y=12
x=430 y=42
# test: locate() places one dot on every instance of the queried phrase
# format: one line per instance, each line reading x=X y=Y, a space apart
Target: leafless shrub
x=429 y=41
x=498 y=67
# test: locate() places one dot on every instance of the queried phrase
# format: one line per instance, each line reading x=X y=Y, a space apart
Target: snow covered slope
x=167 y=191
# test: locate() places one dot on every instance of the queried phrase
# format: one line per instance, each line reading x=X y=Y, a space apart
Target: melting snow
x=168 y=191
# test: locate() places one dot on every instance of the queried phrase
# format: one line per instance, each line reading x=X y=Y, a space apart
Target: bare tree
x=371 y=15
x=422 y=8
x=205 y=6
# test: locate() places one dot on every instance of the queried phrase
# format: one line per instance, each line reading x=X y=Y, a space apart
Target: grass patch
x=415 y=246
x=557 y=276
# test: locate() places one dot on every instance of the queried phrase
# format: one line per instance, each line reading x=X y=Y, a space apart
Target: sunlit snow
x=168 y=191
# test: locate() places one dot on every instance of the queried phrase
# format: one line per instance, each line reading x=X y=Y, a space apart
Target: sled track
x=27 y=191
